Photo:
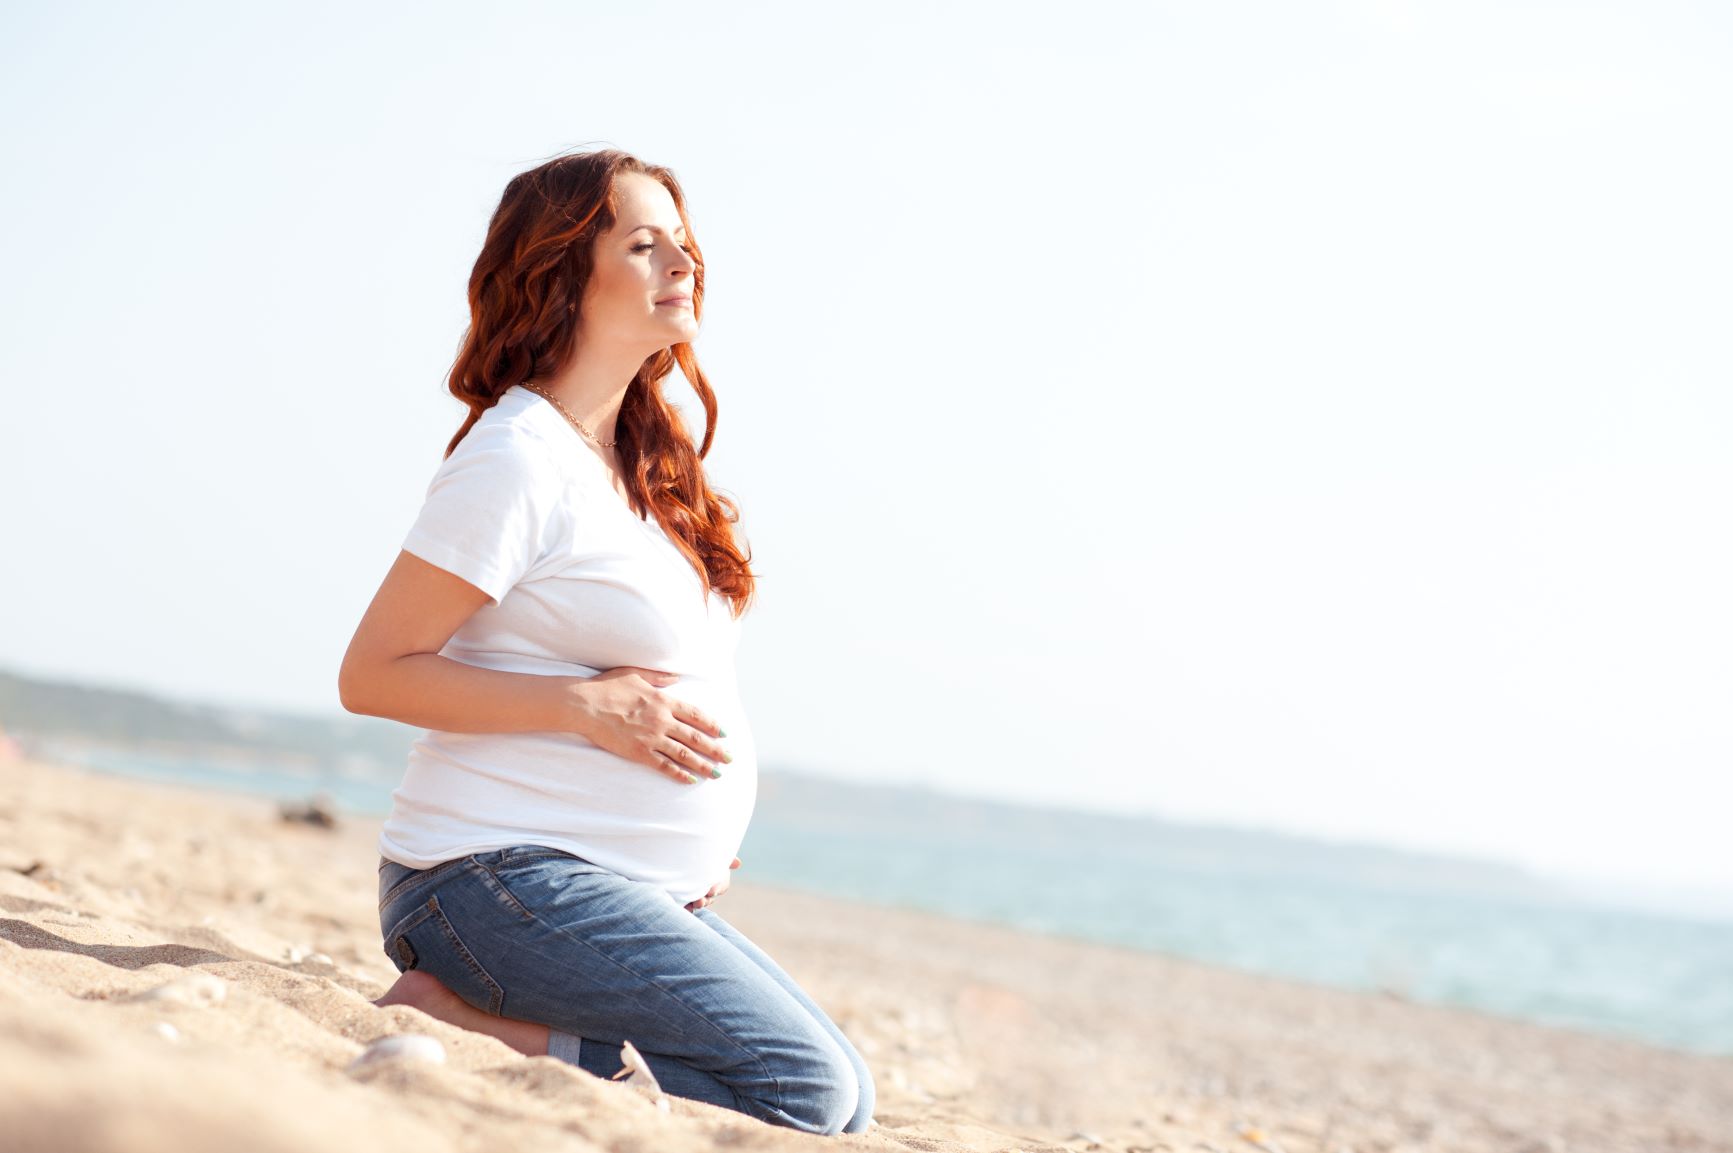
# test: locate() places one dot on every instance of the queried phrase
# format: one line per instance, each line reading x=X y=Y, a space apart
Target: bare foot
x=428 y=993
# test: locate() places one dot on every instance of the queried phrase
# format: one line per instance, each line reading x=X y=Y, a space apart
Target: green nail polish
x=715 y=772
x=720 y=731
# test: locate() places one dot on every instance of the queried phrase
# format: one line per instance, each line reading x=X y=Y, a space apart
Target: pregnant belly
x=466 y=791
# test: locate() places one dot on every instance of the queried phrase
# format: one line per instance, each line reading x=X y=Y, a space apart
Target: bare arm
x=393 y=669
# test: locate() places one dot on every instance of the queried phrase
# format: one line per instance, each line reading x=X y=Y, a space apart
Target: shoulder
x=510 y=435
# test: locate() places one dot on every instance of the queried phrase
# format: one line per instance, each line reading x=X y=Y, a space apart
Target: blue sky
x=1312 y=417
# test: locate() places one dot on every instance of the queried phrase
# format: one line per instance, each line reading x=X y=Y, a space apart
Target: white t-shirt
x=526 y=512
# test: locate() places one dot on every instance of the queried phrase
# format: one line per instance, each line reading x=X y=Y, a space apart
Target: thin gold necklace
x=564 y=411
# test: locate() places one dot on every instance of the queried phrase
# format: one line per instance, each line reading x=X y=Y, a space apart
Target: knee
x=822 y=1093
x=862 y=1118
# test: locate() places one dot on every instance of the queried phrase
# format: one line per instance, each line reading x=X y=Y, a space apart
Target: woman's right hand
x=627 y=713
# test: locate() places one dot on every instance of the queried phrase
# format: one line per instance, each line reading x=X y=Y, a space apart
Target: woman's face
x=640 y=288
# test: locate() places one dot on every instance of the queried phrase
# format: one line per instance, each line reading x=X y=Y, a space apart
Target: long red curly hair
x=524 y=306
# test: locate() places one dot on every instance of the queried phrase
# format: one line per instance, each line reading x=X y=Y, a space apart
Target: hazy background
x=1310 y=417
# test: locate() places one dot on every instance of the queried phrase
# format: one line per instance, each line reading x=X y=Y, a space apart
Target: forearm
x=430 y=691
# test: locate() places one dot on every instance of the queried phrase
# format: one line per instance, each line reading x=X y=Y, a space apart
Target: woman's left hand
x=715 y=891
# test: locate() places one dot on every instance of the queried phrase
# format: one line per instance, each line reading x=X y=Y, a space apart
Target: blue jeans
x=541 y=935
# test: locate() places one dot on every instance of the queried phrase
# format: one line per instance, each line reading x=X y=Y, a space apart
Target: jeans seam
x=775 y=1084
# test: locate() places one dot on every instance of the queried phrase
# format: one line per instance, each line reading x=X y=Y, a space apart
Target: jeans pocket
x=396 y=880
x=522 y=879
x=425 y=939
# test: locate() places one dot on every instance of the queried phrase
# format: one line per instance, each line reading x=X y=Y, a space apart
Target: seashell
x=635 y=1071
x=200 y=990
x=166 y=1031
x=413 y=1047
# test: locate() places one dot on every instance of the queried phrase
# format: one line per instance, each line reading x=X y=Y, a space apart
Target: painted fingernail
x=714 y=771
x=727 y=757
x=721 y=732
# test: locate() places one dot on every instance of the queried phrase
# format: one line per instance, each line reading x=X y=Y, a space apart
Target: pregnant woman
x=563 y=618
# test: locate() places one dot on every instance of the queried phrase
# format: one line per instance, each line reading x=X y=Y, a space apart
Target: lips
x=686 y=300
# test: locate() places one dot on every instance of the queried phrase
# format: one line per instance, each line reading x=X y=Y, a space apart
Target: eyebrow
x=653 y=228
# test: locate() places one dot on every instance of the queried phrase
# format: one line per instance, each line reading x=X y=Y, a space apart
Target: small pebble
x=200 y=990
x=412 y=1047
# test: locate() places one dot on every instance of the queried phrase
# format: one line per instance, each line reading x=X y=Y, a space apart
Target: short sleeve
x=487 y=509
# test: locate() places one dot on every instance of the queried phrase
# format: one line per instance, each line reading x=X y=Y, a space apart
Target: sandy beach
x=186 y=971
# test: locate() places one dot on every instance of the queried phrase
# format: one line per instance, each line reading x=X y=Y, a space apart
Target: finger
x=688 y=760
x=700 y=741
x=735 y=863
x=696 y=717
x=668 y=766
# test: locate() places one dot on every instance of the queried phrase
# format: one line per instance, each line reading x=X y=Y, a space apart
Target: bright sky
x=1314 y=417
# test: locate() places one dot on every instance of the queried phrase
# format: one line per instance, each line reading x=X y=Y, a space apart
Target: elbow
x=351 y=690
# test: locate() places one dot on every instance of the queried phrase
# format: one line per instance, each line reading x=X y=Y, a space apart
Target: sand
x=265 y=936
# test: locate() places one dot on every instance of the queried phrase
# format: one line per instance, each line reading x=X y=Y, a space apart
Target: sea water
x=1665 y=979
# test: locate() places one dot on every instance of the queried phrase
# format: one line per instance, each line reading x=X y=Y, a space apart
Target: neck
x=593 y=384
